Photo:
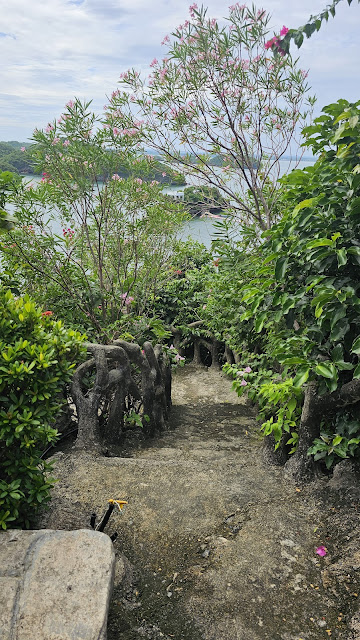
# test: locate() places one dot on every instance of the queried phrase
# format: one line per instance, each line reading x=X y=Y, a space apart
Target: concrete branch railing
x=117 y=379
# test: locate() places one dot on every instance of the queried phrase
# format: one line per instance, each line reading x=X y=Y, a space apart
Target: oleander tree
x=219 y=92
x=91 y=245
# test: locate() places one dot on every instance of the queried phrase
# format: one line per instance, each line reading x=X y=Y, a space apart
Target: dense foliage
x=94 y=251
x=36 y=360
x=295 y=310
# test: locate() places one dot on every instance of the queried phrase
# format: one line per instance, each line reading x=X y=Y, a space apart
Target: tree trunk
x=197 y=358
x=215 y=354
x=301 y=466
x=270 y=456
x=87 y=406
x=229 y=355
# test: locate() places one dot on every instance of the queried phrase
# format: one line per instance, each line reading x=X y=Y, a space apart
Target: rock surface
x=220 y=546
x=55 y=585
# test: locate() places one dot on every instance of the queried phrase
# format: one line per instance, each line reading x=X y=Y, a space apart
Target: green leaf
x=298 y=39
x=356 y=346
x=287 y=362
x=291 y=406
x=337 y=353
x=326 y=369
x=280 y=268
x=320 y=242
x=353 y=121
x=259 y=322
x=305 y=203
x=356 y=374
x=339 y=133
x=338 y=314
x=344 y=366
x=354 y=251
x=340 y=330
x=341 y=257
x=302 y=375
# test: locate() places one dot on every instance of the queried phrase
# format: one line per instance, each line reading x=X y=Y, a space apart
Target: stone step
x=55 y=585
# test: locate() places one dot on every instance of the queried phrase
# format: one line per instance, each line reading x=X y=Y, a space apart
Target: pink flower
x=321 y=551
x=163 y=174
x=22 y=149
x=247 y=370
x=153 y=62
x=66 y=143
x=243 y=383
x=115 y=177
x=166 y=40
x=273 y=42
x=70 y=104
x=129 y=300
x=284 y=31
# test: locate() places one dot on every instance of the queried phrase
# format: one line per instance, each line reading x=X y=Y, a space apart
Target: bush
x=37 y=355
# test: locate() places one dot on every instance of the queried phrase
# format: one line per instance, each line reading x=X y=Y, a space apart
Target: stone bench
x=55 y=585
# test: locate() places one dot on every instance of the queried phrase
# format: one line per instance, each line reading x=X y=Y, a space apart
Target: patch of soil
x=217 y=545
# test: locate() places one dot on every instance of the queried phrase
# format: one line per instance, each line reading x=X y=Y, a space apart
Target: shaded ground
x=219 y=546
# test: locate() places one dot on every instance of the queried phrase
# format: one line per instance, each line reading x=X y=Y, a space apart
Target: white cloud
x=55 y=49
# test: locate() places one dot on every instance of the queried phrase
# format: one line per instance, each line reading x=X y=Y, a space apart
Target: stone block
x=63 y=585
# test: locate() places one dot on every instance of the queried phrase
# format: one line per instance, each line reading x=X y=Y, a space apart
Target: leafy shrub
x=278 y=400
x=37 y=355
x=299 y=307
x=338 y=440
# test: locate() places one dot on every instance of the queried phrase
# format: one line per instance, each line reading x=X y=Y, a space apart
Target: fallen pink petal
x=321 y=551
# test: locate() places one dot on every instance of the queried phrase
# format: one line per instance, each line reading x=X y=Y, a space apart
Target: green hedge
x=37 y=355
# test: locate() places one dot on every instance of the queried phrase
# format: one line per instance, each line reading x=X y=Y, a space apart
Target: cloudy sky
x=53 y=50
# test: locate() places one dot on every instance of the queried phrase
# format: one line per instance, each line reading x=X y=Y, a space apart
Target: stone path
x=219 y=546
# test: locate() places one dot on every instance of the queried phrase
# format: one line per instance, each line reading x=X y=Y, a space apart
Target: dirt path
x=219 y=546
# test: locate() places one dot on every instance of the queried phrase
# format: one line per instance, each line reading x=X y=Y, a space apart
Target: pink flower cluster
x=68 y=233
x=240 y=374
x=127 y=299
x=275 y=42
x=239 y=6
x=124 y=132
x=192 y=9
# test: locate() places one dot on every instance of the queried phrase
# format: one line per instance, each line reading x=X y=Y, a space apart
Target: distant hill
x=13 y=159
